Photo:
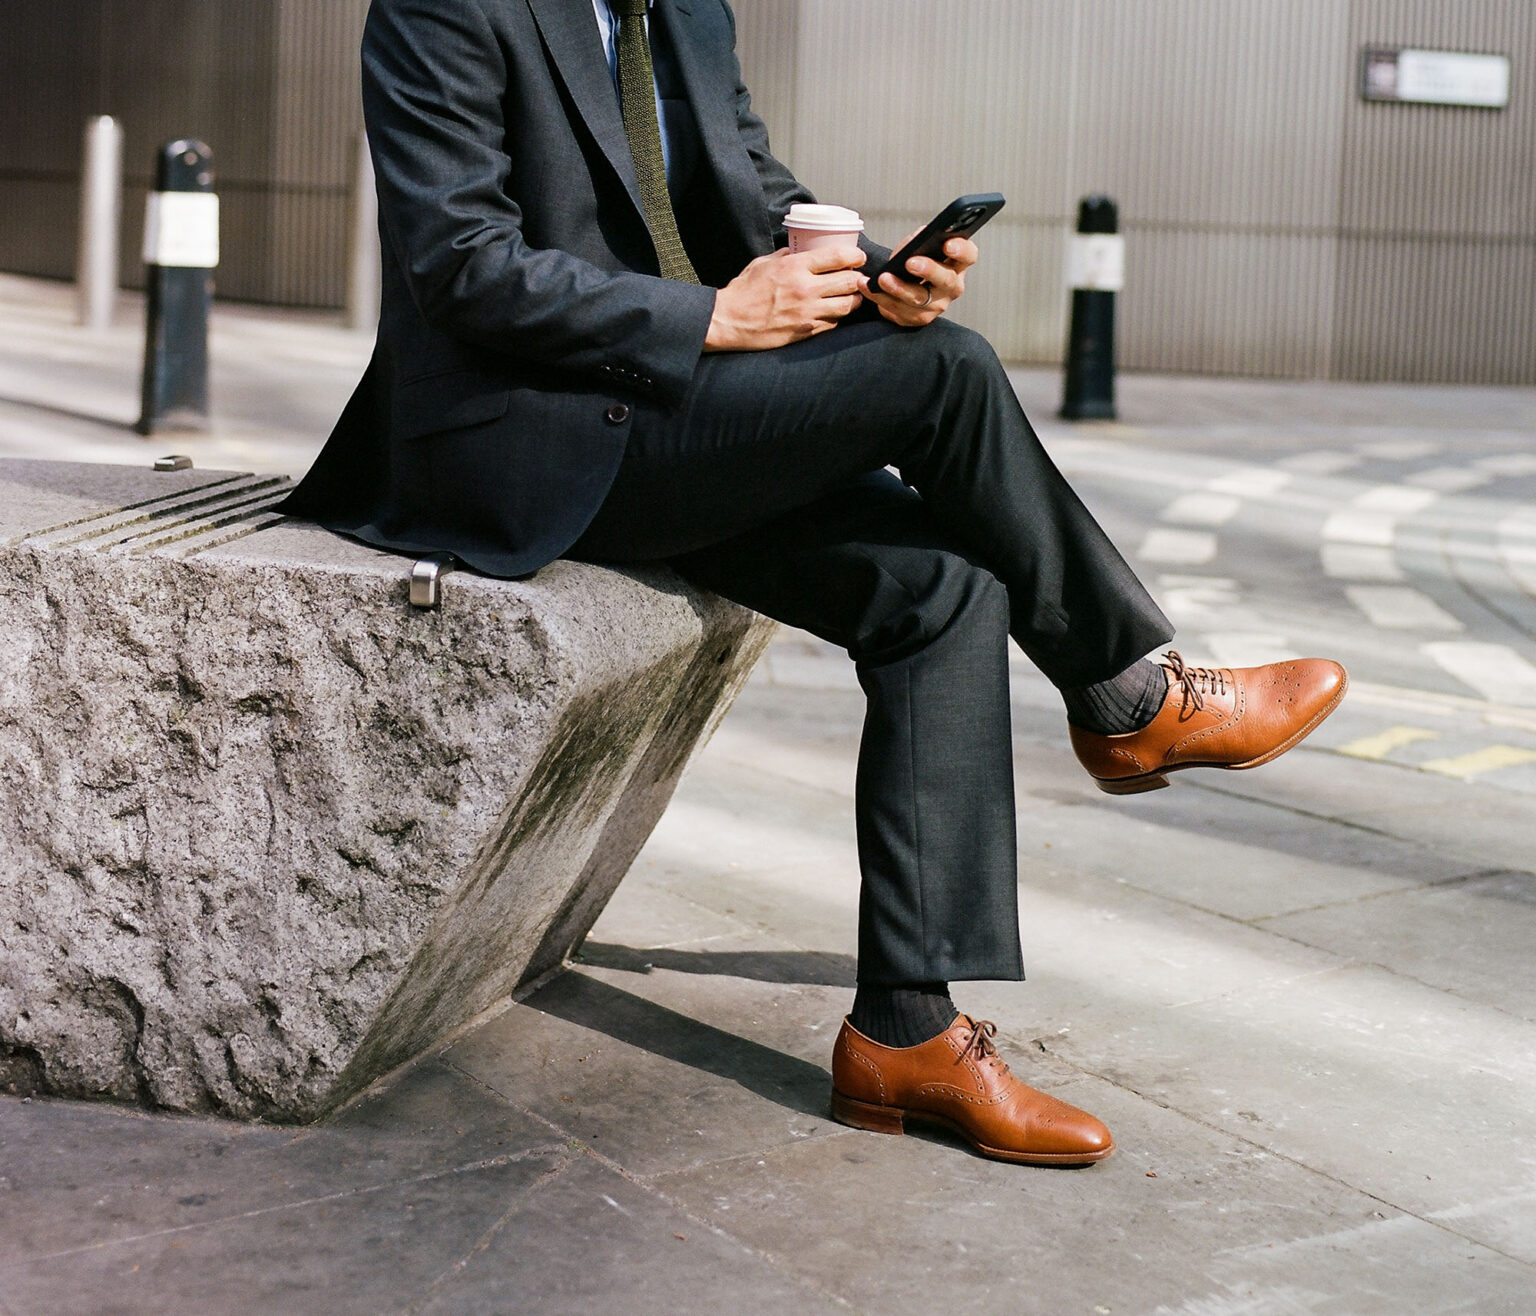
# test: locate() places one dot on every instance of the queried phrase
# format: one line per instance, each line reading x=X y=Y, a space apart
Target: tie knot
x=632 y=8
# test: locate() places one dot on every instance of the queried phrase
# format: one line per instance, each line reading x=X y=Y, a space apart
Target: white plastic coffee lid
x=826 y=219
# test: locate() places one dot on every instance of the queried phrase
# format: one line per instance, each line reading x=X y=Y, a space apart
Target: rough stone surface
x=270 y=831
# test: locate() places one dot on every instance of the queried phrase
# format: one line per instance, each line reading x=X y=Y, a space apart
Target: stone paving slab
x=1481 y=825
x=337 y=1255
x=1246 y=859
x=82 y=1176
x=1473 y=938
x=591 y=1240
x=1188 y=1232
x=1419 y=1099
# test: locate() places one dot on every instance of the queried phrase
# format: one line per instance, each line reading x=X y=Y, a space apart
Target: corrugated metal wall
x=271 y=85
x=1437 y=262
x=1276 y=224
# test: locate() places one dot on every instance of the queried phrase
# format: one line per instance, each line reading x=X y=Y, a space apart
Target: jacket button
x=618 y=413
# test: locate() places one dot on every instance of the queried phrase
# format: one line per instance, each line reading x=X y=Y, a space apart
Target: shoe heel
x=861 y=1115
x=1153 y=781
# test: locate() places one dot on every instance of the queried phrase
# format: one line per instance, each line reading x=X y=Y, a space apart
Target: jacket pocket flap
x=448 y=402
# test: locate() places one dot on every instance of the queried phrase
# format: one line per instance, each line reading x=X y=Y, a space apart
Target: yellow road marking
x=1482 y=760
x=1384 y=742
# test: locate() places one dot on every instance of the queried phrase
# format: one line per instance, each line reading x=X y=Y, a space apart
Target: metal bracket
x=175 y=462
x=427 y=579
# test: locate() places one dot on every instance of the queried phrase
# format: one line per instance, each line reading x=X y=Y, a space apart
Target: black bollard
x=181 y=250
x=1096 y=273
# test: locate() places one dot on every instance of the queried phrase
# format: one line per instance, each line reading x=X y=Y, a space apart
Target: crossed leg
x=768 y=486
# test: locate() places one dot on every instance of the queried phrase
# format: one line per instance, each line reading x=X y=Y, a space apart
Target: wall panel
x=270 y=85
x=1455 y=311
x=1222 y=301
x=1213 y=112
x=1276 y=224
x=884 y=128
x=768 y=46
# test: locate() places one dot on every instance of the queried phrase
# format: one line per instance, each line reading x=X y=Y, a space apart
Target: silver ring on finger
x=927 y=298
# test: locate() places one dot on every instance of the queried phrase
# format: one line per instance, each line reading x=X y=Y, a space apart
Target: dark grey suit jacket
x=524 y=327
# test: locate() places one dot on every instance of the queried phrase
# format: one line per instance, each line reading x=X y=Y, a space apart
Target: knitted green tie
x=637 y=97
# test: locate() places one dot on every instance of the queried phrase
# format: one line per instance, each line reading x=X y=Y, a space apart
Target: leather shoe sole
x=892 y=1119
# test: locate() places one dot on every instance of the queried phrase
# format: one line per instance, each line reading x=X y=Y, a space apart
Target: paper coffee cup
x=810 y=227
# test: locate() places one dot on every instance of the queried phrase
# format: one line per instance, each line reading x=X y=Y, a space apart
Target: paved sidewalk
x=1301 y=997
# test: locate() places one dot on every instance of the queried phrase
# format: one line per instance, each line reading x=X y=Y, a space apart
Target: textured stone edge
x=686 y=690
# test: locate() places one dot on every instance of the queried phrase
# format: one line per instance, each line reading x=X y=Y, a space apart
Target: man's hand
x=782 y=298
x=914 y=304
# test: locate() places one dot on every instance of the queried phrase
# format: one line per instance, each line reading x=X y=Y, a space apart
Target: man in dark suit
x=594 y=344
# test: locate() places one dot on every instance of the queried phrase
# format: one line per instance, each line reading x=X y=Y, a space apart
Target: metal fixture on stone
x=427 y=579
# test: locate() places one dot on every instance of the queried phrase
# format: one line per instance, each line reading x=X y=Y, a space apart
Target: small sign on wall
x=1434 y=77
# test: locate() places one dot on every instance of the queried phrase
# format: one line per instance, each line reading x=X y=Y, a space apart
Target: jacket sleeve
x=781 y=189
x=434 y=76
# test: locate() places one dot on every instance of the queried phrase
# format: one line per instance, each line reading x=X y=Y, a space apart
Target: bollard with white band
x=1095 y=272
x=181 y=250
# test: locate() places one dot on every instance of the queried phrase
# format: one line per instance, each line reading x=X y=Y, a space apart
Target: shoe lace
x=980 y=1046
x=1197 y=682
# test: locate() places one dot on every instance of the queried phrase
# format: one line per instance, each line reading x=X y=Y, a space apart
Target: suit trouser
x=767 y=486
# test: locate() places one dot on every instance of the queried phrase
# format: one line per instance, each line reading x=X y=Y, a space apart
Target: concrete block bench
x=270 y=831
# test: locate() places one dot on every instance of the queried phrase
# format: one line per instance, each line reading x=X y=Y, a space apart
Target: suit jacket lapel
x=715 y=115
x=570 y=34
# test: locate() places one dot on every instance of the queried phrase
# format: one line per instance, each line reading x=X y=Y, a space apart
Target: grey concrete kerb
x=272 y=831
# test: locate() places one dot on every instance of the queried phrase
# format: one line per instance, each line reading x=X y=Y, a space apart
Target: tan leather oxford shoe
x=957 y=1081
x=1215 y=717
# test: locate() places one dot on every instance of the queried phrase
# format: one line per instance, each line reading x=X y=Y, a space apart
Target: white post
x=364 y=273
x=101 y=208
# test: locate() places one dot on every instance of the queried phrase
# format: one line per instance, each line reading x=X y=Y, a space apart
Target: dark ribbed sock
x=1123 y=703
x=903 y=1016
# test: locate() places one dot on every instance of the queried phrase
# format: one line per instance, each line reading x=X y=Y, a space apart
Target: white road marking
x=1202 y=509
x=1238 y=649
x=1448 y=479
x=1399 y=608
x=1358 y=541
x=1399 y=499
x=1349 y=525
x=1360 y=562
x=1509 y=463
x=1322 y=462
x=1189 y=548
x=1251 y=482
x=1496 y=671
x=1399 y=450
x=1197 y=600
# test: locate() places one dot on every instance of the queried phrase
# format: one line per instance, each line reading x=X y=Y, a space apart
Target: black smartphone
x=959 y=219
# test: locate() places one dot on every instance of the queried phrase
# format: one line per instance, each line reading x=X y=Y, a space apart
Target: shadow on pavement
x=70 y=413
x=796 y=1084
x=809 y=968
